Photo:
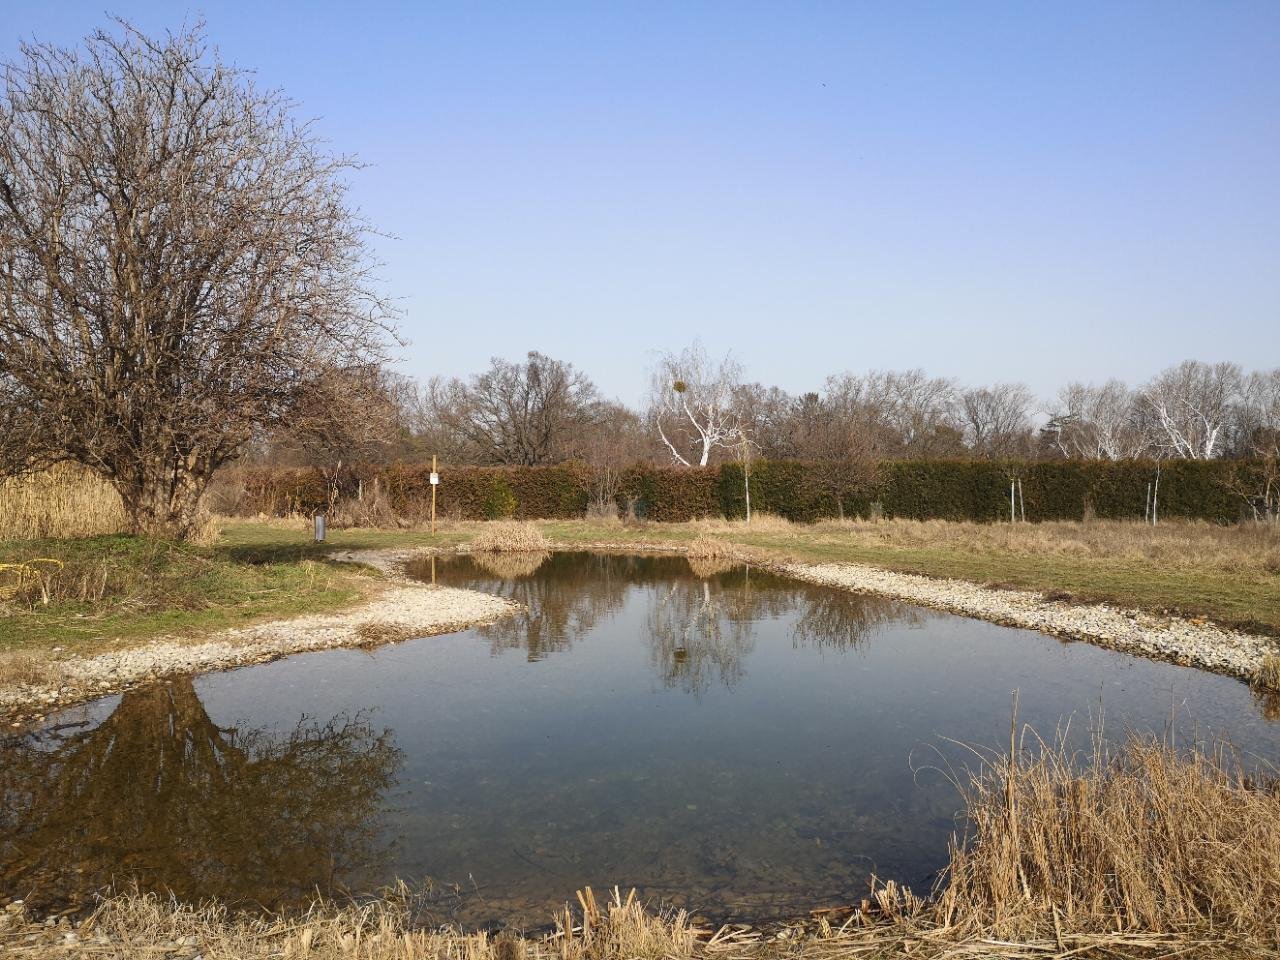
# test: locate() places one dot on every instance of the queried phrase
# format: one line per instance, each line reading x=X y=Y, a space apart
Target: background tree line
x=701 y=410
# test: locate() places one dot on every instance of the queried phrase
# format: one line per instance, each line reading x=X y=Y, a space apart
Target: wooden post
x=435 y=482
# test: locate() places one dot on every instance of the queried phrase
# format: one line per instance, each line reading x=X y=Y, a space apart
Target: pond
x=721 y=738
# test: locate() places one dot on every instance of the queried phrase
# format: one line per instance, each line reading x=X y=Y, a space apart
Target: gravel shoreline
x=403 y=610
x=1193 y=643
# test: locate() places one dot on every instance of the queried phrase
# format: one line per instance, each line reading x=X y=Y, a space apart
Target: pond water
x=723 y=739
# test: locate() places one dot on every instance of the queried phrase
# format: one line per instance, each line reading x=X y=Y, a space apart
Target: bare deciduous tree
x=347 y=416
x=691 y=404
x=1104 y=422
x=616 y=440
x=1259 y=414
x=177 y=261
x=1193 y=403
x=769 y=416
x=910 y=413
x=517 y=413
x=1259 y=437
x=997 y=419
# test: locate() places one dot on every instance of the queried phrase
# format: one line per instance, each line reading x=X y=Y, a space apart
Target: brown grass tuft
x=709 y=548
x=376 y=634
x=505 y=536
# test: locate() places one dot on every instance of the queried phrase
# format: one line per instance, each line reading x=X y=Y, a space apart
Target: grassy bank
x=96 y=593
x=108 y=591
x=1110 y=856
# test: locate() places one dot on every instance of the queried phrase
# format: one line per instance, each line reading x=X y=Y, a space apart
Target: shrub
x=976 y=490
x=500 y=502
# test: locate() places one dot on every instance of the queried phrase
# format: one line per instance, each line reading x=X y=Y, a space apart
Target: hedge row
x=948 y=489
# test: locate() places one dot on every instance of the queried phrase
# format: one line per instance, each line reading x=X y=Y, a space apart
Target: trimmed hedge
x=803 y=492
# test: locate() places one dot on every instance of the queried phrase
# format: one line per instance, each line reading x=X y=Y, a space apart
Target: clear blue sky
x=1023 y=190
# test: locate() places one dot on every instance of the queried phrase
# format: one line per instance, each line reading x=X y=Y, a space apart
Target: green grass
x=256 y=542
x=1145 y=585
x=115 y=590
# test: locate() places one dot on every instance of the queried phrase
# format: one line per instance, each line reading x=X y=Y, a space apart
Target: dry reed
x=510 y=537
x=132 y=925
x=1268 y=675
x=64 y=501
x=1141 y=838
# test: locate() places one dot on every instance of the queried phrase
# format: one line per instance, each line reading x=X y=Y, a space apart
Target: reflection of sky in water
x=737 y=743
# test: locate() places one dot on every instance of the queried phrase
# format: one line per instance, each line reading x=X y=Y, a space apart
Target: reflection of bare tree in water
x=563 y=599
x=159 y=794
x=701 y=634
x=688 y=640
x=832 y=620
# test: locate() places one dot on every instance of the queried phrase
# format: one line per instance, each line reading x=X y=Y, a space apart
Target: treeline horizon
x=702 y=410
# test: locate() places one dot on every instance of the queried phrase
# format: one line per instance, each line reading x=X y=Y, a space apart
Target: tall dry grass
x=65 y=501
x=1142 y=838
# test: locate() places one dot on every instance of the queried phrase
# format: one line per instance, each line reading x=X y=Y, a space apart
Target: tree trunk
x=164 y=504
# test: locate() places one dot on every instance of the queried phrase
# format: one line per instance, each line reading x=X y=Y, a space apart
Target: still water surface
x=721 y=738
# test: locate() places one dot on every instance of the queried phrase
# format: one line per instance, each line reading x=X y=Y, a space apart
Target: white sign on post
x=435 y=479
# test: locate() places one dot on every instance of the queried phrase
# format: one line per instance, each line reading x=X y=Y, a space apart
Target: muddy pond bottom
x=722 y=739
